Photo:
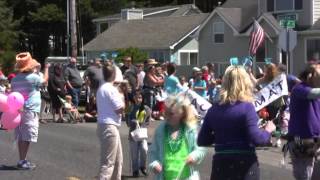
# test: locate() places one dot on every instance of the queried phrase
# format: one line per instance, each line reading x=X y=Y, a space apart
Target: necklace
x=174 y=144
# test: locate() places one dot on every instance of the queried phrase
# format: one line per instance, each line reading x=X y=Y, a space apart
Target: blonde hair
x=236 y=86
x=181 y=102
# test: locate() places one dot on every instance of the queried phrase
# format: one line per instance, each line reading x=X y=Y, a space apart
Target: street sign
x=290 y=24
x=283 y=40
x=287 y=20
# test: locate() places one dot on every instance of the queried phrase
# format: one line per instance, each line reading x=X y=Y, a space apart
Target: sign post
x=288 y=22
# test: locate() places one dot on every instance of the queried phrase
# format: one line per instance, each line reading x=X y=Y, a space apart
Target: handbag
x=139 y=133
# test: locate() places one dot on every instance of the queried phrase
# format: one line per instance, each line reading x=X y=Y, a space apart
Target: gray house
x=226 y=32
x=169 y=38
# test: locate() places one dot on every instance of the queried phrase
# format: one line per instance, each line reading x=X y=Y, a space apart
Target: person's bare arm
x=155 y=80
x=46 y=74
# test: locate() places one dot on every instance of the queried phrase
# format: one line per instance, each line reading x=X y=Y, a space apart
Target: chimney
x=131 y=14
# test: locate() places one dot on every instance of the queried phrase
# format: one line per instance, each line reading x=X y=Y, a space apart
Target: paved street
x=71 y=151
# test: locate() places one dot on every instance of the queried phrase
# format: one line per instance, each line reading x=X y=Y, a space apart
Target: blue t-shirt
x=201 y=83
x=171 y=84
x=28 y=84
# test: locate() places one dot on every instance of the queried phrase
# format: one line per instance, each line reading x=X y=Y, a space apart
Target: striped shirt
x=28 y=84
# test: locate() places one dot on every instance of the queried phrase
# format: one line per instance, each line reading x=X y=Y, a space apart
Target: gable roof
x=152 y=33
x=238 y=14
x=178 y=10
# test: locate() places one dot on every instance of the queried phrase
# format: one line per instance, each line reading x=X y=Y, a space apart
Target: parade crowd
x=138 y=94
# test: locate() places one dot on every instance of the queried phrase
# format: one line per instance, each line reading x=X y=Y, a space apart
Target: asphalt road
x=71 y=151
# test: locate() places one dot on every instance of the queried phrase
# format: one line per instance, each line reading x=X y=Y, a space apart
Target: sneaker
x=144 y=171
x=25 y=165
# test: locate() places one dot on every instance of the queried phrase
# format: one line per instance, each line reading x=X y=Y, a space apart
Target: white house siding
x=191 y=45
x=316 y=10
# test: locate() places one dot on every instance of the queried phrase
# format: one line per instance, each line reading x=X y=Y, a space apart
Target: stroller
x=71 y=111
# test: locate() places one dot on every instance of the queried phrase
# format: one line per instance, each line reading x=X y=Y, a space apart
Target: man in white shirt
x=110 y=106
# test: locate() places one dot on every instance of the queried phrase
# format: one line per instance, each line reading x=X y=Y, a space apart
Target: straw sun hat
x=25 y=63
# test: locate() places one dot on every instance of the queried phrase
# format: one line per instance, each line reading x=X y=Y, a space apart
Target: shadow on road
x=8 y=168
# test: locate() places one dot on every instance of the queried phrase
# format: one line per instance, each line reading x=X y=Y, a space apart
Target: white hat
x=196 y=69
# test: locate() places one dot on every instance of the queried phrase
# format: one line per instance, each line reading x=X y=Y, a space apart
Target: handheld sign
x=199 y=103
x=234 y=61
x=268 y=60
x=276 y=89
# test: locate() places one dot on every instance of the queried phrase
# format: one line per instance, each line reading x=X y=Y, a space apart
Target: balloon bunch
x=10 y=106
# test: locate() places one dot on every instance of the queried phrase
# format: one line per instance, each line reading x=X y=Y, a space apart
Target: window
x=313 y=49
x=194 y=59
x=218 y=32
x=270 y=5
x=298 y=4
x=188 y=58
x=284 y=5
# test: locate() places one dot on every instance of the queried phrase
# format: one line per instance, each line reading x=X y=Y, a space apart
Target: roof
x=178 y=10
x=153 y=33
x=238 y=14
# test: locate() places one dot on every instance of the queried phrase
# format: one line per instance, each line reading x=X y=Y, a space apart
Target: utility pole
x=68 y=29
x=73 y=17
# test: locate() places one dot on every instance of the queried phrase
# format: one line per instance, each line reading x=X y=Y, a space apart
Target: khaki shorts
x=28 y=128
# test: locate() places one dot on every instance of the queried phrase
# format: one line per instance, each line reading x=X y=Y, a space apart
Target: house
x=103 y=23
x=226 y=32
x=165 y=38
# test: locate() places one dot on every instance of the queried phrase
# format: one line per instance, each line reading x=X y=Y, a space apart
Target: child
x=214 y=91
x=183 y=82
x=139 y=114
x=75 y=115
x=174 y=153
x=200 y=85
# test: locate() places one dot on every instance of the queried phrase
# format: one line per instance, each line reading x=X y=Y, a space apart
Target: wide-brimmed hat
x=25 y=63
x=152 y=62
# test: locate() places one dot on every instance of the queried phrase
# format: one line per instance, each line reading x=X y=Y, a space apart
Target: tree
x=8 y=37
x=136 y=54
x=47 y=21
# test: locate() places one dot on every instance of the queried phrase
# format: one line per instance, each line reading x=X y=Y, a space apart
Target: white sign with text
x=274 y=90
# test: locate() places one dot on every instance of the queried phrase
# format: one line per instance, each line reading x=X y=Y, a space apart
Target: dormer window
x=284 y=5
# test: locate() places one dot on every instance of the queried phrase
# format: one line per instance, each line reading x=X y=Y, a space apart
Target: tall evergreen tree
x=8 y=36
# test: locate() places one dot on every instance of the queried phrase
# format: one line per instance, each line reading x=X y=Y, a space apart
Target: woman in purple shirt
x=232 y=126
x=304 y=124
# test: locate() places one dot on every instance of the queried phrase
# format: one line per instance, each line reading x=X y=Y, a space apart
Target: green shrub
x=136 y=54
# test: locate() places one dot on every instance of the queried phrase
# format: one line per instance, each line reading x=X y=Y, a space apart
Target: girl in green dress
x=174 y=153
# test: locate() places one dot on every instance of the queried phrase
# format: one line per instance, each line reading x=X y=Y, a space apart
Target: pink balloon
x=10 y=120
x=3 y=103
x=15 y=101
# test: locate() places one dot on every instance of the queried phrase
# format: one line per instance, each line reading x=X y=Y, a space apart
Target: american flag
x=256 y=39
